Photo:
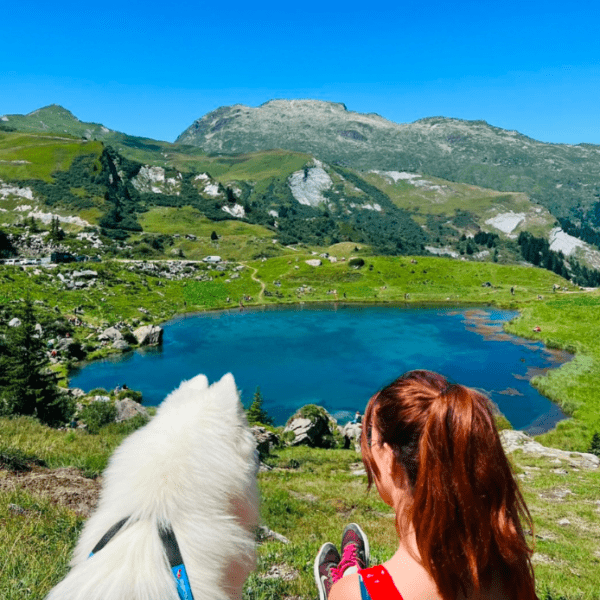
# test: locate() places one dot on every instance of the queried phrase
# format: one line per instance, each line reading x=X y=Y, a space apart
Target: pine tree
x=29 y=389
x=595 y=445
x=256 y=414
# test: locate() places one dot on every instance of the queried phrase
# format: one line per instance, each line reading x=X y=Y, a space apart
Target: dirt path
x=254 y=278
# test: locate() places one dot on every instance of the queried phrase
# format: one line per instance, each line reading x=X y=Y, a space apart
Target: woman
x=433 y=451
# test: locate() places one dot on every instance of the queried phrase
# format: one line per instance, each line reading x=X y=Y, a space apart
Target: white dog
x=181 y=489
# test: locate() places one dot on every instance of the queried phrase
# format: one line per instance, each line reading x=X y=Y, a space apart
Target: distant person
x=357 y=418
x=434 y=453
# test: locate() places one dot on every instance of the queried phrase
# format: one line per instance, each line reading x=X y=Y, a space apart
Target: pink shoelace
x=348 y=560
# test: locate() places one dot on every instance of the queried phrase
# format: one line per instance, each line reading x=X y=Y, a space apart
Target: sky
x=152 y=68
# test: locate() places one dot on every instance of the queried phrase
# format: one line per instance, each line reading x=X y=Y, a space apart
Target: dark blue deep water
x=338 y=357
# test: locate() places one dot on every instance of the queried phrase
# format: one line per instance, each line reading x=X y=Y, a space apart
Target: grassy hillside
x=121 y=288
x=310 y=494
x=308 y=497
x=25 y=156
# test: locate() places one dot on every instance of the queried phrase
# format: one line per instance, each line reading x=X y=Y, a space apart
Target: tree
x=256 y=414
x=213 y=236
x=595 y=445
x=28 y=387
x=56 y=233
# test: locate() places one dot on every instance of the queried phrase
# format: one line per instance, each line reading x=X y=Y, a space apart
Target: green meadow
x=310 y=494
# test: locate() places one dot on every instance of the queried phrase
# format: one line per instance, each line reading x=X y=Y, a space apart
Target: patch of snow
x=201 y=176
x=23 y=208
x=5 y=118
x=274 y=213
x=309 y=190
x=442 y=251
x=3 y=210
x=237 y=211
x=559 y=185
x=104 y=129
x=375 y=206
x=506 y=222
x=12 y=190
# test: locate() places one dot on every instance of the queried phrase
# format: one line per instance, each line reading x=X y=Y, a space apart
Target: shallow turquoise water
x=337 y=357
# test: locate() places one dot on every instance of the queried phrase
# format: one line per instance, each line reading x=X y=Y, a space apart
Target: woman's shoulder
x=347 y=588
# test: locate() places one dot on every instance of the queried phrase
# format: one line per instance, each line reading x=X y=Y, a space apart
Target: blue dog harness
x=171 y=546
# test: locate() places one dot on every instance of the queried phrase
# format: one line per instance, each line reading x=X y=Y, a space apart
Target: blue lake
x=338 y=357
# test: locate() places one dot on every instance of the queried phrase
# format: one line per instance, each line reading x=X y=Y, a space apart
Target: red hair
x=465 y=504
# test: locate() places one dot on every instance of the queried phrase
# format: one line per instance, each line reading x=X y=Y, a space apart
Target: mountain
x=563 y=178
x=56 y=119
x=142 y=190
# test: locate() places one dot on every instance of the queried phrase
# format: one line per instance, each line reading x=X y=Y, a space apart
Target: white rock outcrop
x=518 y=440
x=149 y=335
x=308 y=185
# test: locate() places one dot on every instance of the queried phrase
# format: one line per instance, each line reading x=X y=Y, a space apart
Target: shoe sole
x=365 y=539
x=320 y=586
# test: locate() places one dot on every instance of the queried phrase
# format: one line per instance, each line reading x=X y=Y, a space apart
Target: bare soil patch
x=64 y=487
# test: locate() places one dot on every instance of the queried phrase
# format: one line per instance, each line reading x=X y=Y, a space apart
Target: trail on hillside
x=254 y=278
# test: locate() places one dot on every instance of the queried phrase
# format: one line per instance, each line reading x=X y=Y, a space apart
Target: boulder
x=112 y=334
x=265 y=440
x=313 y=262
x=313 y=427
x=517 y=440
x=128 y=409
x=69 y=347
x=352 y=433
x=14 y=322
x=86 y=274
x=149 y=335
x=121 y=345
x=100 y=399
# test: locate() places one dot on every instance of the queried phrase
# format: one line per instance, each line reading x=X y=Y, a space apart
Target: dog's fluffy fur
x=193 y=467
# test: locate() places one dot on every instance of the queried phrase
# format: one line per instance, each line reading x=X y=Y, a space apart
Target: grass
x=570 y=322
x=308 y=497
x=237 y=240
x=42 y=155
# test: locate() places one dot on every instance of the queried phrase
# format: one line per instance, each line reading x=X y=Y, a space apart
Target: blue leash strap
x=176 y=563
x=171 y=546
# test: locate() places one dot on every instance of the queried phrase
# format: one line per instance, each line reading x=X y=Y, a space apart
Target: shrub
x=132 y=394
x=310 y=411
x=98 y=414
x=14 y=459
x=356 y=262
x=126 y=427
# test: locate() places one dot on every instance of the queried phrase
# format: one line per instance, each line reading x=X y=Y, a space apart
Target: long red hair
x=465 y=504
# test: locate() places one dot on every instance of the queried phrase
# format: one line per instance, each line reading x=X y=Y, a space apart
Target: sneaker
x=325 y=569
x=355 y=550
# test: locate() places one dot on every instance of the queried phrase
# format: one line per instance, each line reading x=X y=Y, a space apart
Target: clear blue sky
x=151 y=69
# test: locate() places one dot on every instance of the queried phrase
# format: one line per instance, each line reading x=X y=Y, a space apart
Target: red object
x=379 y=584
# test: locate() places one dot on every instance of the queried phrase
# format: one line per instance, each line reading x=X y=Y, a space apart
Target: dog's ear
x=226 y=395
x=198 y=383
x=187 y=391
x=226 y=389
